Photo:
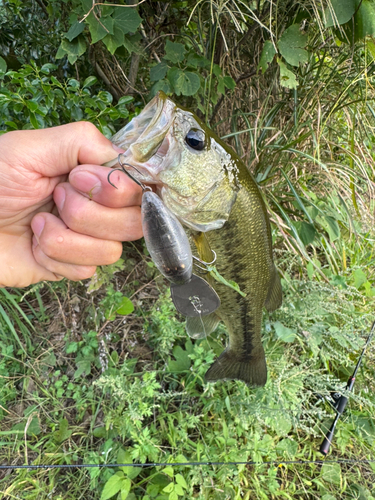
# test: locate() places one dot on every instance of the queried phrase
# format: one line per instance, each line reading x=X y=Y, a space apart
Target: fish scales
x=207 y=186
x=244 y=255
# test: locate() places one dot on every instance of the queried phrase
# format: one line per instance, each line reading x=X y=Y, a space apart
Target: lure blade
x=195 y=298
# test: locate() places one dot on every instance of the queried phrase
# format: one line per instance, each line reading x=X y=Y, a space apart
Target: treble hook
x=122 y=169
x=205 y=263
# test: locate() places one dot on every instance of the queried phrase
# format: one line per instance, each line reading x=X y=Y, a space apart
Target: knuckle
x=50 y=244
x=86 y=129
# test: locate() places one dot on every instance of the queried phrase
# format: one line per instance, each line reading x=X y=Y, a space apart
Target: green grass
x=132 y=390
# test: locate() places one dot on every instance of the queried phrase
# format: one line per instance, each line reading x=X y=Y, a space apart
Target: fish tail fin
x=252 y=370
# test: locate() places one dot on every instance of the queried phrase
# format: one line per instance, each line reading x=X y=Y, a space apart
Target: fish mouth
x=144 y=139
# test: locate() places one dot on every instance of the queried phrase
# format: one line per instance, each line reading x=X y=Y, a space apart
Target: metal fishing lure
x=170 y=251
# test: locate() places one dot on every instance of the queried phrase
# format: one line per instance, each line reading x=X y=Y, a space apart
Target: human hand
x=51 y=228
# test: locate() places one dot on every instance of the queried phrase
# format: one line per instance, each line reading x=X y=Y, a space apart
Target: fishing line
x=278 y=463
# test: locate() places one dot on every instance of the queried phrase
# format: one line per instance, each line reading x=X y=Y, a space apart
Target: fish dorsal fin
x=275 y=292
x=201 y=326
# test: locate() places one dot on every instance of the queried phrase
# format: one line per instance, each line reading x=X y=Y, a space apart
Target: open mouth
x=144 y=138
x=141 y=125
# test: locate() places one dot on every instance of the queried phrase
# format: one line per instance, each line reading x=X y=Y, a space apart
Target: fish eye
x=196 y=139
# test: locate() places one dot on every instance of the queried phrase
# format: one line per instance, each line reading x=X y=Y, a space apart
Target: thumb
x=56 y=151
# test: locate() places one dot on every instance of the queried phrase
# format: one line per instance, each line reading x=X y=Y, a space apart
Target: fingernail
x=37 y=225
x=85 y=181
x=59 y=197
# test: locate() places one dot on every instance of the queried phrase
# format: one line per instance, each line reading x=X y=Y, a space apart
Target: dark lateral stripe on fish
x=247 y=344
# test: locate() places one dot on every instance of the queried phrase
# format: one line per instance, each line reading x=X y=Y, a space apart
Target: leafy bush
x=33 y=98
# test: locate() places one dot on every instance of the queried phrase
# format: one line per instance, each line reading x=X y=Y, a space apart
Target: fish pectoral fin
x=200 y=327
x=275 y=292
x=252 y=370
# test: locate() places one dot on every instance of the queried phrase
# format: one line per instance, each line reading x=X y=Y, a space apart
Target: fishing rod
x=341 y=400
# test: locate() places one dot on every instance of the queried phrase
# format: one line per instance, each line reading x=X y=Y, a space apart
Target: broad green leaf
x=33 y=120
x=288 y=447
x=163 y=85
x=112 y=486
x=90 y=80
x=216 y=70
x=174 y=51
x=268 y=53
x=371 y=46
x=281 y=425
x=173 y=495
x=364 y=21
x=169 y=487
x=306 y=232
x=153 y=490
x=181 y=481
x=359 y=278
x=330 y=225
x=75 y=30
x=127 y=19
x=76 y=114
x=312 y=211
x=11 y=125
x=328 y=497
x=3 y=67
x=339 y=12
x=63 y=431
x=32 y=105
x=168 y=470
x=331 y=473
x=86 y=5
x=196 y=61
x=182 y=358
x=34 y=427
x=72 y=49
x=310 y=270
x=71 y=347
x=183 y=82
x=124 y=457
x=83 y=366
x=132 y=43
x=125 y=488
x=287 y=78
x=99 y=28
x=291 y=45
x=47 y=68
x=229 y=82
x=283 y=332
x=178 y=489
x=126 y=307
x=115 y=40
x=220 y=85
x=32 y=430
x=100 y=432
x=158 y=72
x=125 y=100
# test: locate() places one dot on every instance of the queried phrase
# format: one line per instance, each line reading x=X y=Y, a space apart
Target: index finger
x=92 y=182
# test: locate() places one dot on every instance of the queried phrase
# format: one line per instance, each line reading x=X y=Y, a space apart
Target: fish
x=206 y=185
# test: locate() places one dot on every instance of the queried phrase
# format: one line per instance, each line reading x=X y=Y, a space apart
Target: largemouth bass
x=207 y=186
